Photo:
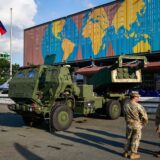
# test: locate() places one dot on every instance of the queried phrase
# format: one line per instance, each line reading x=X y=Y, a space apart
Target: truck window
x=20 y=75
x=31 y=74
x=79 y=79
x=52 y=75
x=42 y=80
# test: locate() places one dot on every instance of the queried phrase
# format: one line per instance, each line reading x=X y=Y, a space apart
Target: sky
x=28 y=13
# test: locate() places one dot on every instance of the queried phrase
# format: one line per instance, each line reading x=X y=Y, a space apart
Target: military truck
x=47 y=92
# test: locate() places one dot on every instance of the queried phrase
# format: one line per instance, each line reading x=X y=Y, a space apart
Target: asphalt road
x=87 y=139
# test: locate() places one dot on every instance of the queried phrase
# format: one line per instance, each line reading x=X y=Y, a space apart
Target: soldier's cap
x=135 y=94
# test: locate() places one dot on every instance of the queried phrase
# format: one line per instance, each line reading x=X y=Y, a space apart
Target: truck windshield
x=27 y=73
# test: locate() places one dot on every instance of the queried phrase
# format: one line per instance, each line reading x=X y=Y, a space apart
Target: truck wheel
x=123 y=103
x=113 y=109
x=61 y=117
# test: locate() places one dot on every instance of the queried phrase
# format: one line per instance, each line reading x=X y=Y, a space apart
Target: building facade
x=112 y=29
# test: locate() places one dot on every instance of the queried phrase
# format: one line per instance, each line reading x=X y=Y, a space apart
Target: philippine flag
x=2 y=29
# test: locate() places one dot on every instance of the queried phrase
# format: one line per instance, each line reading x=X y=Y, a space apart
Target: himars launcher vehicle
x=48 y=92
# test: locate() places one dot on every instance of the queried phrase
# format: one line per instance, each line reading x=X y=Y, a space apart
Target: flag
x=2 y=29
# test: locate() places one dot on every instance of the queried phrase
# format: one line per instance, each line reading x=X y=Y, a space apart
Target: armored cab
x=39 y=84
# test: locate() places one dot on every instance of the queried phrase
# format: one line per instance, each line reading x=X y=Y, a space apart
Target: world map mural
x=123 y=27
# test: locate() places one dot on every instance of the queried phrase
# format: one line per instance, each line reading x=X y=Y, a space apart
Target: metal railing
x=150 y=103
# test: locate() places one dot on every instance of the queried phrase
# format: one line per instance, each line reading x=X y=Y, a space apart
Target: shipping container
x=119 y=27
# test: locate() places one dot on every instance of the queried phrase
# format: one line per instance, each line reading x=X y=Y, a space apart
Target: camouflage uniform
x=157 y=122
x=136 y=117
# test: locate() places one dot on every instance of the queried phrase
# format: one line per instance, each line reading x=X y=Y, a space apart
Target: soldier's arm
x=143 y=115
x=157 y=122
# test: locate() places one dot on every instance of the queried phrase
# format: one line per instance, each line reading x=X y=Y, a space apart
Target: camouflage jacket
x=135 y=115
x=158 y=117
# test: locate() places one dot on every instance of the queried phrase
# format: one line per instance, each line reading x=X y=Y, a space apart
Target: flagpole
x=11 y=43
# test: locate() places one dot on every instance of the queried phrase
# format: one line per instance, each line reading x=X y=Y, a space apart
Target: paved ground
x=93 y=139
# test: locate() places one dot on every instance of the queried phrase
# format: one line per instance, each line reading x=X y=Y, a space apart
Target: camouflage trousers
x=133 y=136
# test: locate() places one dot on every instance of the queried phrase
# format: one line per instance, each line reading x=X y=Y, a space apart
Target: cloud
x=89 y=4
x=85 y=4
x=23 y=13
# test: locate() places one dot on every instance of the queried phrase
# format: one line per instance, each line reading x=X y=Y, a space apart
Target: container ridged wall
x=121 y=27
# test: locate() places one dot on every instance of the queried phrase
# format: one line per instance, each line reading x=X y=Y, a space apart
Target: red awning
x=87 y=71
x=153 y=64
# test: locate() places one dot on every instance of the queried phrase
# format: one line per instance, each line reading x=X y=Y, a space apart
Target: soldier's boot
x=157 y=154
x=134 y=156
x=125 y=154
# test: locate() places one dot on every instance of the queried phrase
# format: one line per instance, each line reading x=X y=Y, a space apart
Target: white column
x=11 y=44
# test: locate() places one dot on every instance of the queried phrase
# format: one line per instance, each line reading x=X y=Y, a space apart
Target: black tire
x=123 y=104
x=113 y=109
x=33 y=122
x=27 y=120
x=61 y=117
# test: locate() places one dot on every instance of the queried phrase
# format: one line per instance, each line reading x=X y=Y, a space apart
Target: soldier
x=136 y=118
x=157 y=123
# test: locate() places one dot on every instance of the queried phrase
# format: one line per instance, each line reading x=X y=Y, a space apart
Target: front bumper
x=19 y=108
